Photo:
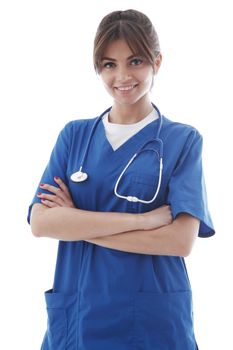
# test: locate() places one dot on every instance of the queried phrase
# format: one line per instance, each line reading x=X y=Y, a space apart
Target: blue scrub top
x=107 y=299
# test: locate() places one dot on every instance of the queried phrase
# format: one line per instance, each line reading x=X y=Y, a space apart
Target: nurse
x=124 y=195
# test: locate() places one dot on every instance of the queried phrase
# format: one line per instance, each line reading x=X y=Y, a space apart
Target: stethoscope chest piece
x=79 y=176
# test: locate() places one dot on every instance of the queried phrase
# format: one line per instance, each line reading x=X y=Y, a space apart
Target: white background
x=47 y=79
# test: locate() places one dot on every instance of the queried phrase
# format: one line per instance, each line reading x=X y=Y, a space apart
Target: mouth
x=126 y=87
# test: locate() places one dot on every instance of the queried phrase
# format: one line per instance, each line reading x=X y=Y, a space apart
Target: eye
x=109 y=65
x=136 y=61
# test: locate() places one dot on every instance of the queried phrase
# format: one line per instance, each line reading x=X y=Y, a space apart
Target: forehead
x=118 y=49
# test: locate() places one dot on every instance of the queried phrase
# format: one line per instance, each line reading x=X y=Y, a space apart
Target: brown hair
x=132 y=26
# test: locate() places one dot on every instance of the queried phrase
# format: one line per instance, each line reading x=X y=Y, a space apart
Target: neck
x=129 y=114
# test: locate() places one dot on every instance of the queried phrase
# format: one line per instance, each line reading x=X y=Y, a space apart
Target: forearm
x=71 y=224
x=57 y=217
x=175 y=239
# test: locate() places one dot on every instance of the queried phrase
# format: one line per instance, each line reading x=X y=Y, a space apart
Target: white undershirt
x=117 y=134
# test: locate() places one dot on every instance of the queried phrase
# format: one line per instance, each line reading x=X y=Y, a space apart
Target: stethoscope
x=80 y=175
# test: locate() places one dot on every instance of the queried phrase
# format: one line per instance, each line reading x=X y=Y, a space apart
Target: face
x=127 y=78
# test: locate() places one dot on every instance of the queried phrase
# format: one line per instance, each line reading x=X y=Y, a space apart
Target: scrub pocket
x=163 y=321
x=62 y=321
x=143 y=187
x=105 y=321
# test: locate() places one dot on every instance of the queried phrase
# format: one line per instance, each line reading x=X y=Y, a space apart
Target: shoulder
x=79 y=124
x=77 y=128
x=181 y=138
x=179 y=130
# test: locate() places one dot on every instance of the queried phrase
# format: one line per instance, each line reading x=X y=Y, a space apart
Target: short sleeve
x=187 y=190
x=57 y=164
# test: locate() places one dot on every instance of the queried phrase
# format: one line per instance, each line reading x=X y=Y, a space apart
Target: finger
x=49 y=204
x=62 y=185
x=57 y=191
x=65 y=189
x=51 y=198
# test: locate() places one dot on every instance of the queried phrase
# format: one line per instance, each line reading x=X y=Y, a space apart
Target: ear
x=157 y=63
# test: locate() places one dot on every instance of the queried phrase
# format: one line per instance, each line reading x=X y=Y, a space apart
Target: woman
x=124 y=222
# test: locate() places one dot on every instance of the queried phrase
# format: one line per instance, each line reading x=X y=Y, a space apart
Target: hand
x=157 y=218
x=59 y=197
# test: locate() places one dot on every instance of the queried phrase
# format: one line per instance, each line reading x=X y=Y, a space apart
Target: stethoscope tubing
x=80 y=176
x=100 y=118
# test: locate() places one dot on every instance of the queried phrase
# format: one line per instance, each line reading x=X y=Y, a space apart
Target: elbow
x=37 y=223
x=36 y=234
x=185 y=250
x=186 y=246
x=36 y=229
x=39 y=227
x=38 y=220
x=186 y=232
x=184 y=243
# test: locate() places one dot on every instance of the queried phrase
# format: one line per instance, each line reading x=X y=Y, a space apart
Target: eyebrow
x=114 y=60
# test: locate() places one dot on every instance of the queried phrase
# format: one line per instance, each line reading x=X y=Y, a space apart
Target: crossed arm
x=150 y=233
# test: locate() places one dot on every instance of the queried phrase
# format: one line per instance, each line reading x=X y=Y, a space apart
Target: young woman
x=124 y=194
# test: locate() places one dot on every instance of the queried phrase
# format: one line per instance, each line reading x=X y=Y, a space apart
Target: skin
x=121 y=70
x=128 y=79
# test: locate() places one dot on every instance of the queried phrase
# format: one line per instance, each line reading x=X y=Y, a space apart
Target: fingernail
x=39 y=194
x=41 y=185
x=56 y=177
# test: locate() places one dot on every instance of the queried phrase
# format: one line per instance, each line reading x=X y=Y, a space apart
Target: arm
x=71 y=224
x=57 y=218
x=175 y=239
x=148 y=233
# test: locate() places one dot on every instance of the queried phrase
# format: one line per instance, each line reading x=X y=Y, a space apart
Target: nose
x=123 y=74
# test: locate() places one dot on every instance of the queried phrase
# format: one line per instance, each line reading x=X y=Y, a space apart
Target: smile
x=125 y=88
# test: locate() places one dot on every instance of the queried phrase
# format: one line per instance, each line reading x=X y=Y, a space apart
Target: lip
x=126 y=88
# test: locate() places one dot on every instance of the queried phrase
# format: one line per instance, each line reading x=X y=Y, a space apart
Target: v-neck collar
x=133 y=144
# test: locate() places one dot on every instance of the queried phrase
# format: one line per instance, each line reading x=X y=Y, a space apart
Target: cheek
x=106 y=80
x=148 y=82
x=146 y=76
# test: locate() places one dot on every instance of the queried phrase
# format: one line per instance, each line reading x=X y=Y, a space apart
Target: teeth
x=125 y=88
